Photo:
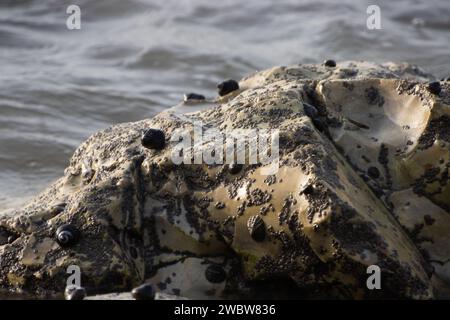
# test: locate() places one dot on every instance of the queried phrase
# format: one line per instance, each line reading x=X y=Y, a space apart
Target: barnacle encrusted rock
x=363 y=181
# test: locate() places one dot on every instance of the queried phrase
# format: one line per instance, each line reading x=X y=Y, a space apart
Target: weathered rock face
x=363 y=180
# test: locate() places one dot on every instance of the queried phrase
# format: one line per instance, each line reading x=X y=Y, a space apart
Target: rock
x=165 y=296
x=7 y=236
x=328 y=214
x=74 y=293
x=111 y=296
x=143 y=292
x=57 y=208
x=127 y=296
x=310 y=111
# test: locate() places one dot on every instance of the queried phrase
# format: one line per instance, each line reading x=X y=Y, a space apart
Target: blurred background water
x=133 y=58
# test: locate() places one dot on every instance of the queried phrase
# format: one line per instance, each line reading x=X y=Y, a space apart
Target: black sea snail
x=434 y=87
x=235 y=168
x=215 y=274
x=143 y=292
x=153 y=139
x=67 y=235
x=193 y=97
x=74 y=293
x=227 y=86
x=373 y=172
x=257 y=228
x=330 y=63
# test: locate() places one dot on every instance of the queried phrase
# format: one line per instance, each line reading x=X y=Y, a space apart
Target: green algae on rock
x=364 y=181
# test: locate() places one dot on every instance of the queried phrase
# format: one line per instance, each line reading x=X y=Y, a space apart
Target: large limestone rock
x=362 y=182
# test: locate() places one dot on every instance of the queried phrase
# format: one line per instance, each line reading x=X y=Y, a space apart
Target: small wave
x=14 y=40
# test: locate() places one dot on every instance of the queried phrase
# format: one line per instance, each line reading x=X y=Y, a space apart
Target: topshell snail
x=67 y=235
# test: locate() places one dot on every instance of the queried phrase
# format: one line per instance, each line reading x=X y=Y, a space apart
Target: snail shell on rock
x=67 y=235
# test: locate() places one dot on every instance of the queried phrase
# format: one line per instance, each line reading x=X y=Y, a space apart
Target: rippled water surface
x=133 y=58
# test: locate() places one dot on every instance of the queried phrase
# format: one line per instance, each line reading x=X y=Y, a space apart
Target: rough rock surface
x=127 y=296
x=362 y=182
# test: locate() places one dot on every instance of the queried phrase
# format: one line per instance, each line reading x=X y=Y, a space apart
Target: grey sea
x=134 y=58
